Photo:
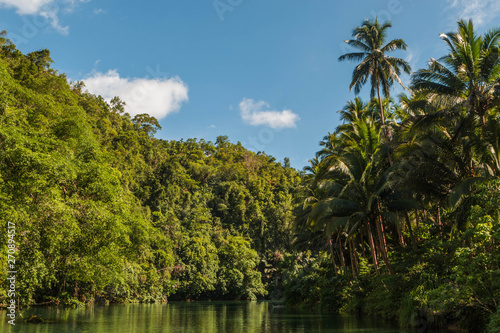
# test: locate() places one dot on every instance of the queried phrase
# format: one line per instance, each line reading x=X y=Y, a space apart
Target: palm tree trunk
x=410 y=230
x=438 y=217
x=382 y=240
x=383 y=248
x=372 y=247
x=351 y=256
x=330 y=245
x=417 y=223
x=341 y=256
x=355 y=255
x=400 y=236
x=382 y=119
x=380 y=226
x=362 y=245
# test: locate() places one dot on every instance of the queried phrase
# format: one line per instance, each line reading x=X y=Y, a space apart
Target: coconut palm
x=353 y=110
x=318 y=187
x=464 y=79
x=440 y=168
x=352 y=204
x=451 y=119
x=376 y=65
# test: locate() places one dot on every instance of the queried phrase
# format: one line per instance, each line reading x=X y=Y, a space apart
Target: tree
x=41 y=58
x=147 y=123
x=465 y=78
x=3 y=38
x=349 y=199
x=376 y=65
x=453 y=120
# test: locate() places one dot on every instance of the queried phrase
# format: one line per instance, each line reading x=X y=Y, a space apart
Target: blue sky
x=262 y=72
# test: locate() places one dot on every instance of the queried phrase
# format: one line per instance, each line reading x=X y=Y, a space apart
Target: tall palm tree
x=466 y=78
x=457 y=126
x=376 y=65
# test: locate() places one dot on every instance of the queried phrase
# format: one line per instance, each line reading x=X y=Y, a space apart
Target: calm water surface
x=200 y=317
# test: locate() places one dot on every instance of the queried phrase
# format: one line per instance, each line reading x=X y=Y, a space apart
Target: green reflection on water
x=199 y=317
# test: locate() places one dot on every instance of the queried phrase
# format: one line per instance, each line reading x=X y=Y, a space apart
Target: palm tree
x=455 y=124
x=376 y=65
x=352 y=202
x=353 y=110
x=440 y=168
x=464 y=79
x=317 y=188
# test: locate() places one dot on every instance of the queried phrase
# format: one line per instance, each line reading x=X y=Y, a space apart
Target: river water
x=197 y=317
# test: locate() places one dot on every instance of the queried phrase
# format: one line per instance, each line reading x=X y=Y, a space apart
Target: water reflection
x=199 y=317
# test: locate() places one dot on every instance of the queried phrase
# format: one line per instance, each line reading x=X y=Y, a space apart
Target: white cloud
x=26 y=7
x=258 y=113
x=480 y=11
x=157 y=97
x=47 y=9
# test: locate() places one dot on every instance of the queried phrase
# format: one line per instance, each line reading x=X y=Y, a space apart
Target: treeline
x=400 y=215
x=104 y=212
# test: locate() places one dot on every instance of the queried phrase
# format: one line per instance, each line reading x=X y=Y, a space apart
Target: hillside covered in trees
x=398 y=214
x=105 y=212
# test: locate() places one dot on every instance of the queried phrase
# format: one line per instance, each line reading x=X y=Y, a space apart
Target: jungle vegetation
x=397 y=215
x=105 y=212
x=400 y=213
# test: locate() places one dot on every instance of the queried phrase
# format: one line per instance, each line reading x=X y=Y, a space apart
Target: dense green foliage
x=105 y=212
x=400 y=213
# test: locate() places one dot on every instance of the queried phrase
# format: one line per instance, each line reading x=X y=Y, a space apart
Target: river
x=196 y=317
